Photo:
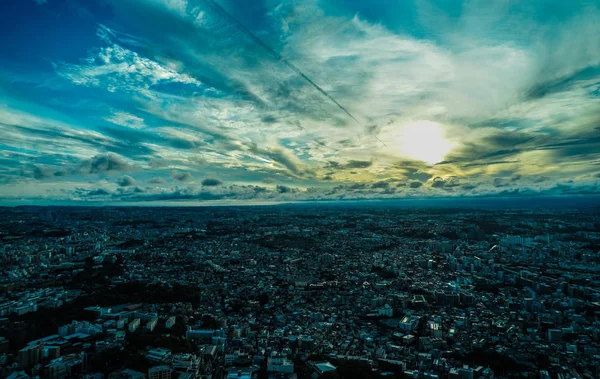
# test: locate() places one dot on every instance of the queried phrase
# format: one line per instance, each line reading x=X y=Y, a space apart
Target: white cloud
x=116 y=68
x=471 y=74
x=126 y=119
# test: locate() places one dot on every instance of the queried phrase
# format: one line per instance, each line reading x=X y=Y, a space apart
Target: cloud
x=118 y=69
x=210 y=182
x=283 y=157
x=180 y=86
x=437 y=182
x=353 y=164
x=98 y=192
x=500 y=182
x=181 y=176
x=105 y=164
x=380 y=185
x=447 y=183
x=156 y=180
x=40 y=173
x=126 y=181
x=286 y=189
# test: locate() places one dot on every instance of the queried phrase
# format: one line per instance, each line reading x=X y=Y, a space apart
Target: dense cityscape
x=299 y=291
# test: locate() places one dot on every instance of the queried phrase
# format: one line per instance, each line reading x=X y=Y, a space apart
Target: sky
x=208 y=101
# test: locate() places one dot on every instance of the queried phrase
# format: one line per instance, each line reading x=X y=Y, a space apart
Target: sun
x=424 y=141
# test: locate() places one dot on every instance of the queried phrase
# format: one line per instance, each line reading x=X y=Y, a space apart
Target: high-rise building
x=30 y=356
x=159 y=372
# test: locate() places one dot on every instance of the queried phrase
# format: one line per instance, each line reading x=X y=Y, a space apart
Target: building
x=170 y=322
x=159 y=355
x=319 y=368
x=280 y=364
x=127 y=374
x=30 y=356
x=152 y=324
x=386 y=311
x=409 y=323
x=184 y=362
x=159 y=372
x=134 y=324
x=461 y=373
x=66 y=367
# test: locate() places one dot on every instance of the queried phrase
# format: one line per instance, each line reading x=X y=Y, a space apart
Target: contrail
x=278 y=56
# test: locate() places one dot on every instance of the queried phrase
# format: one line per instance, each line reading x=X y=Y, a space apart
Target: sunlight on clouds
x=493 y=91
x=424 y=141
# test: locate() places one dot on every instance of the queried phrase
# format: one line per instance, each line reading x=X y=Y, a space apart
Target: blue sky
x=115 y=101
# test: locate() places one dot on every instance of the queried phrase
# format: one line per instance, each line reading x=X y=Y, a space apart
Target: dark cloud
x=179 y=195
x=352 y=164
x=269 y=119
x=211 y=182
x=372 y=129
x=500 y=182
x=106 y=163
x=382 y=184
x=281 y=156
x=126 y=181
x=540 y=179
x=413 y=170
x=182 y=176
x=561 y=84
x=516 y=178
x=415 y=184
x=495 y=149
x=136 y=137
x=156 y=180
x=358 y=186
x=567 y=189
x=286 y=189
x=98 y=192
x=357 y=164
x=40 y=173
x=439 y=182
x=492 y=163
x=500 y=153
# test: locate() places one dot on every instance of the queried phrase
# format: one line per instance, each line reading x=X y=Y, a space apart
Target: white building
x=134 y=324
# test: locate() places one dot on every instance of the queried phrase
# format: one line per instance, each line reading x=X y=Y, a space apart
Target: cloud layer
x=185 y=100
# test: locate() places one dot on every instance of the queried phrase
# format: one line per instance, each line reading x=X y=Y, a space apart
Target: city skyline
x=165 y=101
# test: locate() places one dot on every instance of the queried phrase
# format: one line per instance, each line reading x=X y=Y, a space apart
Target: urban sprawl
x=299 y=291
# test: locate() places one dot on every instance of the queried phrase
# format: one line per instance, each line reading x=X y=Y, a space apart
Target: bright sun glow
x=424 y=141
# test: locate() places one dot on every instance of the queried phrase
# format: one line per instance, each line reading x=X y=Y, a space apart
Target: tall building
x=30 y=356
x=159 y=372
